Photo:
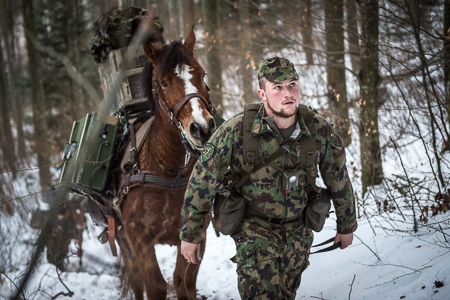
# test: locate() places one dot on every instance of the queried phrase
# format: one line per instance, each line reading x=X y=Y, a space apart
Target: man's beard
x=281 y=113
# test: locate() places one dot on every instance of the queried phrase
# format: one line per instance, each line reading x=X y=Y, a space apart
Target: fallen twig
x=351 y=287
x=379 y=259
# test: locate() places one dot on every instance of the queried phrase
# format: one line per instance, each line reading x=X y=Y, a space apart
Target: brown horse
x=151 y=212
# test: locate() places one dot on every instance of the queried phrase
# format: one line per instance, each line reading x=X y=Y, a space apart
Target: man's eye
x=293 y=84
x=277 y=87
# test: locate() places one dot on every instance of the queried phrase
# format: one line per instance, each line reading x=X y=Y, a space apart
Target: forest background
x=379 y=70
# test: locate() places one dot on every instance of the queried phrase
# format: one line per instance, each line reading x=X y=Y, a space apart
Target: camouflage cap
x=277 y=69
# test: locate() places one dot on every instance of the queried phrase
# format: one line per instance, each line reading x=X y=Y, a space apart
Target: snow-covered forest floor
x=382 y=263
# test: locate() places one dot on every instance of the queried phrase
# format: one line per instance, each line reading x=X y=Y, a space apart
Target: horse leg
x=144 y=258
x=185 y=276
x=80 y=247
x=134 y=276
x=136 y=282
x=155 y=285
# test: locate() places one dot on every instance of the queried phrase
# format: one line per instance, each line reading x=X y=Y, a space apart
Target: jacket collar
x=263 y=124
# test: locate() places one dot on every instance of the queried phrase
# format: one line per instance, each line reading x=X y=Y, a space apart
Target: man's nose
x=287 y=93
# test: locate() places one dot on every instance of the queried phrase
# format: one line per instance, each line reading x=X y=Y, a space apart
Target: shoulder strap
x=308 y=147
x=251 y=145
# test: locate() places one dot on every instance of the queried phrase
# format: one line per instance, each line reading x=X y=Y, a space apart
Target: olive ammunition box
x=88 y=154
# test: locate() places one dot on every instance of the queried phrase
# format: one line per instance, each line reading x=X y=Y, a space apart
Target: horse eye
x=164 y=83
x=204 y=75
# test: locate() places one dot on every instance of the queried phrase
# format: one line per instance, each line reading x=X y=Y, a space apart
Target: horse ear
x=151 y=52
x=189 y=42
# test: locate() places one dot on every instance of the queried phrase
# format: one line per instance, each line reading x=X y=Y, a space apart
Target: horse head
x=179 y=89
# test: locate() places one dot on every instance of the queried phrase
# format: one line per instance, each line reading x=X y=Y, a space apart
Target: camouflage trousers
x=270 y=258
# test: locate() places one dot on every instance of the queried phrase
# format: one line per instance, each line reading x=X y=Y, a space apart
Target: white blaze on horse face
x=189 y=88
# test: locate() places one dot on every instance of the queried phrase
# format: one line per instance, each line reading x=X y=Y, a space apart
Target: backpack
x=251 y=151
x=230 y=206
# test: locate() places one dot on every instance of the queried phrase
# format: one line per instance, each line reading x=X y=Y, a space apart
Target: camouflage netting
x=115 y=29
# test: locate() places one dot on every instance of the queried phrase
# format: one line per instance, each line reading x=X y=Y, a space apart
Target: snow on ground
x=381 y=264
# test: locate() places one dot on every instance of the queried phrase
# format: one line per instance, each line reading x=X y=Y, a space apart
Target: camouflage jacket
x=264 y=191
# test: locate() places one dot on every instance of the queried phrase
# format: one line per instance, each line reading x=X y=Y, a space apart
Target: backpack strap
x=251 y=155
x=251 y=145
x=252 y=160
x=308 y=148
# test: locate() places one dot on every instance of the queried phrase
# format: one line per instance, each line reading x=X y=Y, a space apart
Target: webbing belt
x=249 y=211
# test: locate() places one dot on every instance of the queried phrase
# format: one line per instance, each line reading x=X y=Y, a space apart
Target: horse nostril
x=194 y=129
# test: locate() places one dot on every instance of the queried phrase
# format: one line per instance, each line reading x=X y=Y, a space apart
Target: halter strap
x=172 y=114
x=183 y=101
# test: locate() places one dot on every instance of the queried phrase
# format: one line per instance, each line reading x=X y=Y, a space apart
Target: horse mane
x=171 y=55
x=147 y=74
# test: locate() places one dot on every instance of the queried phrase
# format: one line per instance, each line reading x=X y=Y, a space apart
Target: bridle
x=172 y=114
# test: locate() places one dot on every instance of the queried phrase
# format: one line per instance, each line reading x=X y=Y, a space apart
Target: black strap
x=332 y=247
x=308 y=147
x=251 y=144
x=143 y=178
x=243 y=175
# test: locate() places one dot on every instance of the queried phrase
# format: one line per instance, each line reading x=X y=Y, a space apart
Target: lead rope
x=332 y=247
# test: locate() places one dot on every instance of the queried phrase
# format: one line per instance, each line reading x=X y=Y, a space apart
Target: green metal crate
x=88 y=154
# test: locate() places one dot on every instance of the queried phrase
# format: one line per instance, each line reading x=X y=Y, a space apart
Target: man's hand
x=191 y=252
x=345 y=239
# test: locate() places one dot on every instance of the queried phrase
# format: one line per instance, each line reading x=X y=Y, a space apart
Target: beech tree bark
x=335 y=53
x=212 y=39
x=353 y=35
x=369 y=80
x=245 y=37
x=188 y=15
x=307 y=31
x=7 y=140
x=13 y=65
x=37 y=95
x=447 y=57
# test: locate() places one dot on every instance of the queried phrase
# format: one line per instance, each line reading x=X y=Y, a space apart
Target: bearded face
x=281 y=98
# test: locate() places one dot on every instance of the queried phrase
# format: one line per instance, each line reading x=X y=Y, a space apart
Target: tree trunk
x=7 y=140
x=372 y=171
x=37 y=95
x=353 y=35
x=175 y=20
x=14 y=69
x=76 y=96
x=188 y=14
x=210 y=10
x=307 y=31
x=245 y=38
x=335 y=53
x=164 y=17
x=447 y=57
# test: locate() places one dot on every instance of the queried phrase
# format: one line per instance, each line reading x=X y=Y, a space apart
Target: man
x=272 y=246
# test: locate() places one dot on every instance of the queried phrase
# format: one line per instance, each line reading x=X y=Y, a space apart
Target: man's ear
x=189 y=42
x=151 y=52
x=262 y=94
